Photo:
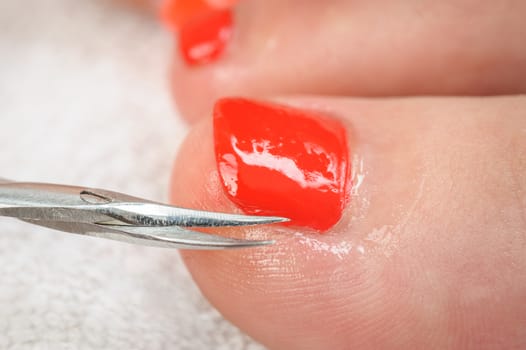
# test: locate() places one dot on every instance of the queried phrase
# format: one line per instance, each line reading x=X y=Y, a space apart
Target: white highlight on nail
x=261 y=153
x=198 y=52
x=205 y=49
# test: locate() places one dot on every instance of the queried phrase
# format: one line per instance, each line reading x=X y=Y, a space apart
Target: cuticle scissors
x=118 y=216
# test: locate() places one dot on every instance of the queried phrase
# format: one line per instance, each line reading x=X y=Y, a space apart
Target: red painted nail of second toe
x=203 y=38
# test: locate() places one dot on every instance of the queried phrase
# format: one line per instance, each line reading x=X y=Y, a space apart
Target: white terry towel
x=84 y=99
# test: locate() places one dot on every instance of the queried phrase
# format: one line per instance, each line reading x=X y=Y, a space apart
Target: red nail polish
x=277 y=160
x=204 y=37
x=175 y=13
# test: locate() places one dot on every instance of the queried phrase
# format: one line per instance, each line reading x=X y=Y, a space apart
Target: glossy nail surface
x=203 y=38
x=277 y=160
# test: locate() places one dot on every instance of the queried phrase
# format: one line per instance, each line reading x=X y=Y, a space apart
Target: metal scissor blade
x=118 y=216
x=165 y=237
x=187 y=239
x=139 y=214
x=156 y=214
x=49 y=202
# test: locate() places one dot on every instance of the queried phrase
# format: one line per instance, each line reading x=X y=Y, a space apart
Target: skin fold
x=430 y=252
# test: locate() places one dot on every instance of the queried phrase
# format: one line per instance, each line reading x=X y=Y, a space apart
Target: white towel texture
x=85 y=100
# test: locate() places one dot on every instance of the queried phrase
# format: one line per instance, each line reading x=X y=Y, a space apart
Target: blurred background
x=85 y=100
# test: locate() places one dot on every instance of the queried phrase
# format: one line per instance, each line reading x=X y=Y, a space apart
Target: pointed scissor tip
x=247 y=244
x=261 y=220
x=278 y=219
